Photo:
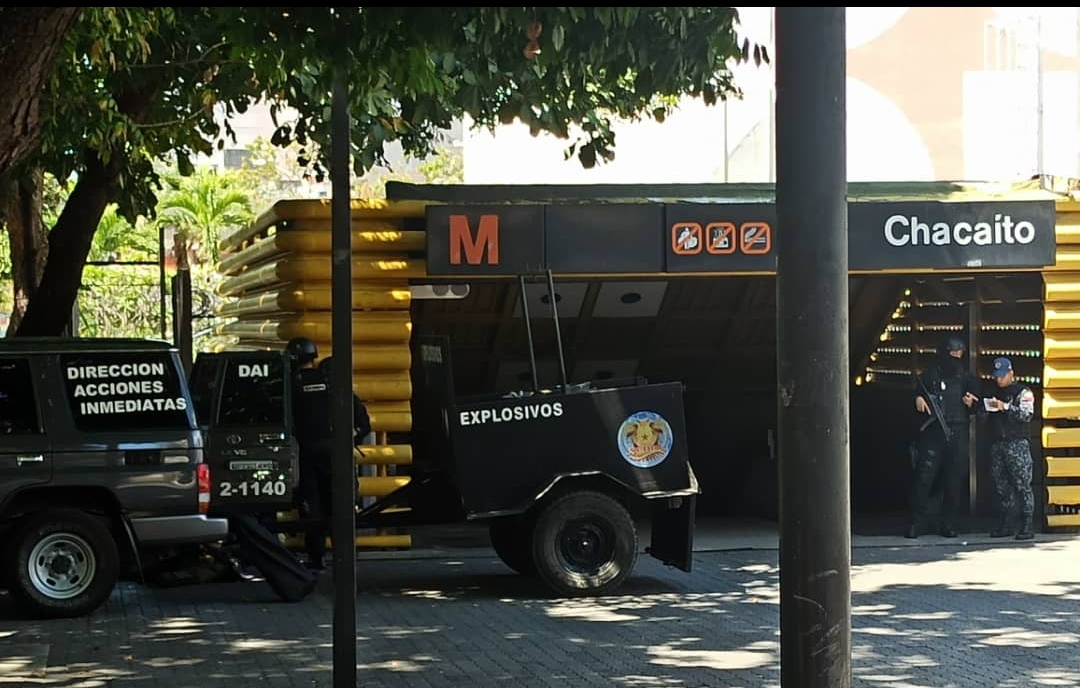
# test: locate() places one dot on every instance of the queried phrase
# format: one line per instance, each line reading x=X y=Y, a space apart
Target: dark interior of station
x=717 y=335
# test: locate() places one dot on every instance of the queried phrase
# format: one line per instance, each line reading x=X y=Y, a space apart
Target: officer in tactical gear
x=1009 y=412
x=311 y=416
x=361 y=418
x=945 y=396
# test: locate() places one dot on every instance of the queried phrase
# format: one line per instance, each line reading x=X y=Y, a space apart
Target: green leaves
x=143 y=84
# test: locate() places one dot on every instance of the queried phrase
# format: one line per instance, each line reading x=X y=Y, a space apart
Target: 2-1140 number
x=253 y=488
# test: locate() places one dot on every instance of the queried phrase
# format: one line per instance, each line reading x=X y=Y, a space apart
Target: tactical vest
x=1003 y=425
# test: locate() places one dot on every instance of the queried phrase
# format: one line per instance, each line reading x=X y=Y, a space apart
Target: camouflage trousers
x=1010 y=467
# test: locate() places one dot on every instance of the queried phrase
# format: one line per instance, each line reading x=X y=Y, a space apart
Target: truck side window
x=18 y=404
x=253 y=392
x=203 y=386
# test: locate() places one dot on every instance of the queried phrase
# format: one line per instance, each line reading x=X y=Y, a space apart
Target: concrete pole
x=343 y=472
x=812 y=348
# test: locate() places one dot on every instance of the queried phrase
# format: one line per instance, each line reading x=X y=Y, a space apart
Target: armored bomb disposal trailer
x=560 y=474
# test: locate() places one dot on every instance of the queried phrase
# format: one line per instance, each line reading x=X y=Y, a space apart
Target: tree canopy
x=131 y=86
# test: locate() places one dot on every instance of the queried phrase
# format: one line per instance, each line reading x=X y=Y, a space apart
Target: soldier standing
x=1010 y=412
x=311 y=413
x=942 y=444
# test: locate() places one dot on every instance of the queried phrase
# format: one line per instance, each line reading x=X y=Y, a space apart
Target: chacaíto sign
x=637 y=238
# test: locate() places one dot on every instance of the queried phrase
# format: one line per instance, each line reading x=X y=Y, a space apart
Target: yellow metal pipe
x=282 y=212
x=1061 y=344
x=373 y=454
x=382 y=386
x=1061 y=286
x=1063 y=520
x=1061 y=316
x=385 y=238
x=366 y=357
x=1067 y=228
x=1063 y=494
x=1058 y=404
x=312 y=236
x=296 y=542
x=1060 y=438
x=1061 y=375
x=1063 y=466
x=381 y=485
x=368 y=326
x=392 y=422
x=389 y=406
x=300 y=298
x=317 y=268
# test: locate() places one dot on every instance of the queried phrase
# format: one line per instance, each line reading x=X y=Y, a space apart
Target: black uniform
x=1010 y=459
x=311 y=413
x=941 y=458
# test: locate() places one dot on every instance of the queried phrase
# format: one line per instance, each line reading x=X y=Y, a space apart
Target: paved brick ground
x=940 y=615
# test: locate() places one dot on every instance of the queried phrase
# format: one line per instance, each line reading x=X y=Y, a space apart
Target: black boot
x=1025 y=532
x=1004 y=529
x=912 y=532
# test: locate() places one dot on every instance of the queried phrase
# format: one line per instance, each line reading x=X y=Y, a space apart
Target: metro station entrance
x=676 y=289
x=677 y=283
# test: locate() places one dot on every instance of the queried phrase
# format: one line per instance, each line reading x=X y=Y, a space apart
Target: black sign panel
x=604 y=238
x=654 y=238
x=485 y=240
x=720 y=238
x=930 y=234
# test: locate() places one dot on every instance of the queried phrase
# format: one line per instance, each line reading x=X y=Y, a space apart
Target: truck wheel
x=64 y=563
x=584 y=542
x=511 y=537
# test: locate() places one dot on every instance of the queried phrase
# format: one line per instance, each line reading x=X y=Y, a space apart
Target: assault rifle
x=938 y=413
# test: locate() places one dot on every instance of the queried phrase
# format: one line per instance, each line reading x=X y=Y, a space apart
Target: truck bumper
x=179 y=530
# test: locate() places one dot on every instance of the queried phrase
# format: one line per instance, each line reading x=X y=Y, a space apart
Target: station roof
x=709 y=193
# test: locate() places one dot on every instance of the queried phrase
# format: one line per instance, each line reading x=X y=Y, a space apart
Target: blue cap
x=1002 y=366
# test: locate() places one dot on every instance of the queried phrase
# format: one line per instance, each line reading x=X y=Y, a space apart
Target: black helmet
x=302 y=350
x=953 y=343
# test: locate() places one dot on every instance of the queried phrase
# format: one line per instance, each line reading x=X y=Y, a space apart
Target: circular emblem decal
x=645 y=439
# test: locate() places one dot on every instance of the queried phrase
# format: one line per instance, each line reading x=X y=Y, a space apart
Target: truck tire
x=584 y=543
x=64 y=563
x=511 y=538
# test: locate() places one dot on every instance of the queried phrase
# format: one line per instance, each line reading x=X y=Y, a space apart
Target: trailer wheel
x=511 y=537
x=584 y=542
x=63 y=563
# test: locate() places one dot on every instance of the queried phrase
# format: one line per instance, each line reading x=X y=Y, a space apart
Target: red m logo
x=462 y=240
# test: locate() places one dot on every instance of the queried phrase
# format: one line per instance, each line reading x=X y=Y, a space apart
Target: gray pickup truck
x=101 y=462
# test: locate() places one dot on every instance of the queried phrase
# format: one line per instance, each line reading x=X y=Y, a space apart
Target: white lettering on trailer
x=511 y=414
x=901 y=230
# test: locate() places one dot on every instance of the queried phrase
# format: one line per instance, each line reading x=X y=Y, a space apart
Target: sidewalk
x=930 y=613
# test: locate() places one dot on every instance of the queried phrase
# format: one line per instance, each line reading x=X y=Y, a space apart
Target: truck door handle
x=36 y=458
x=268 y=437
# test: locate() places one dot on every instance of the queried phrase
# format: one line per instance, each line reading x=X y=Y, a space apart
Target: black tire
x=511 y=537
x=584 y=543
x=64 y=563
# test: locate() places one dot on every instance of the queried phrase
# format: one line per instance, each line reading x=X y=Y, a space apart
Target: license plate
x=246 y=489
x=252 y=465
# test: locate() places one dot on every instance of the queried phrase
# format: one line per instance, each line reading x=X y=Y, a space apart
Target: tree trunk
x=30 y=38
x=69 y=245
x=29 y=242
